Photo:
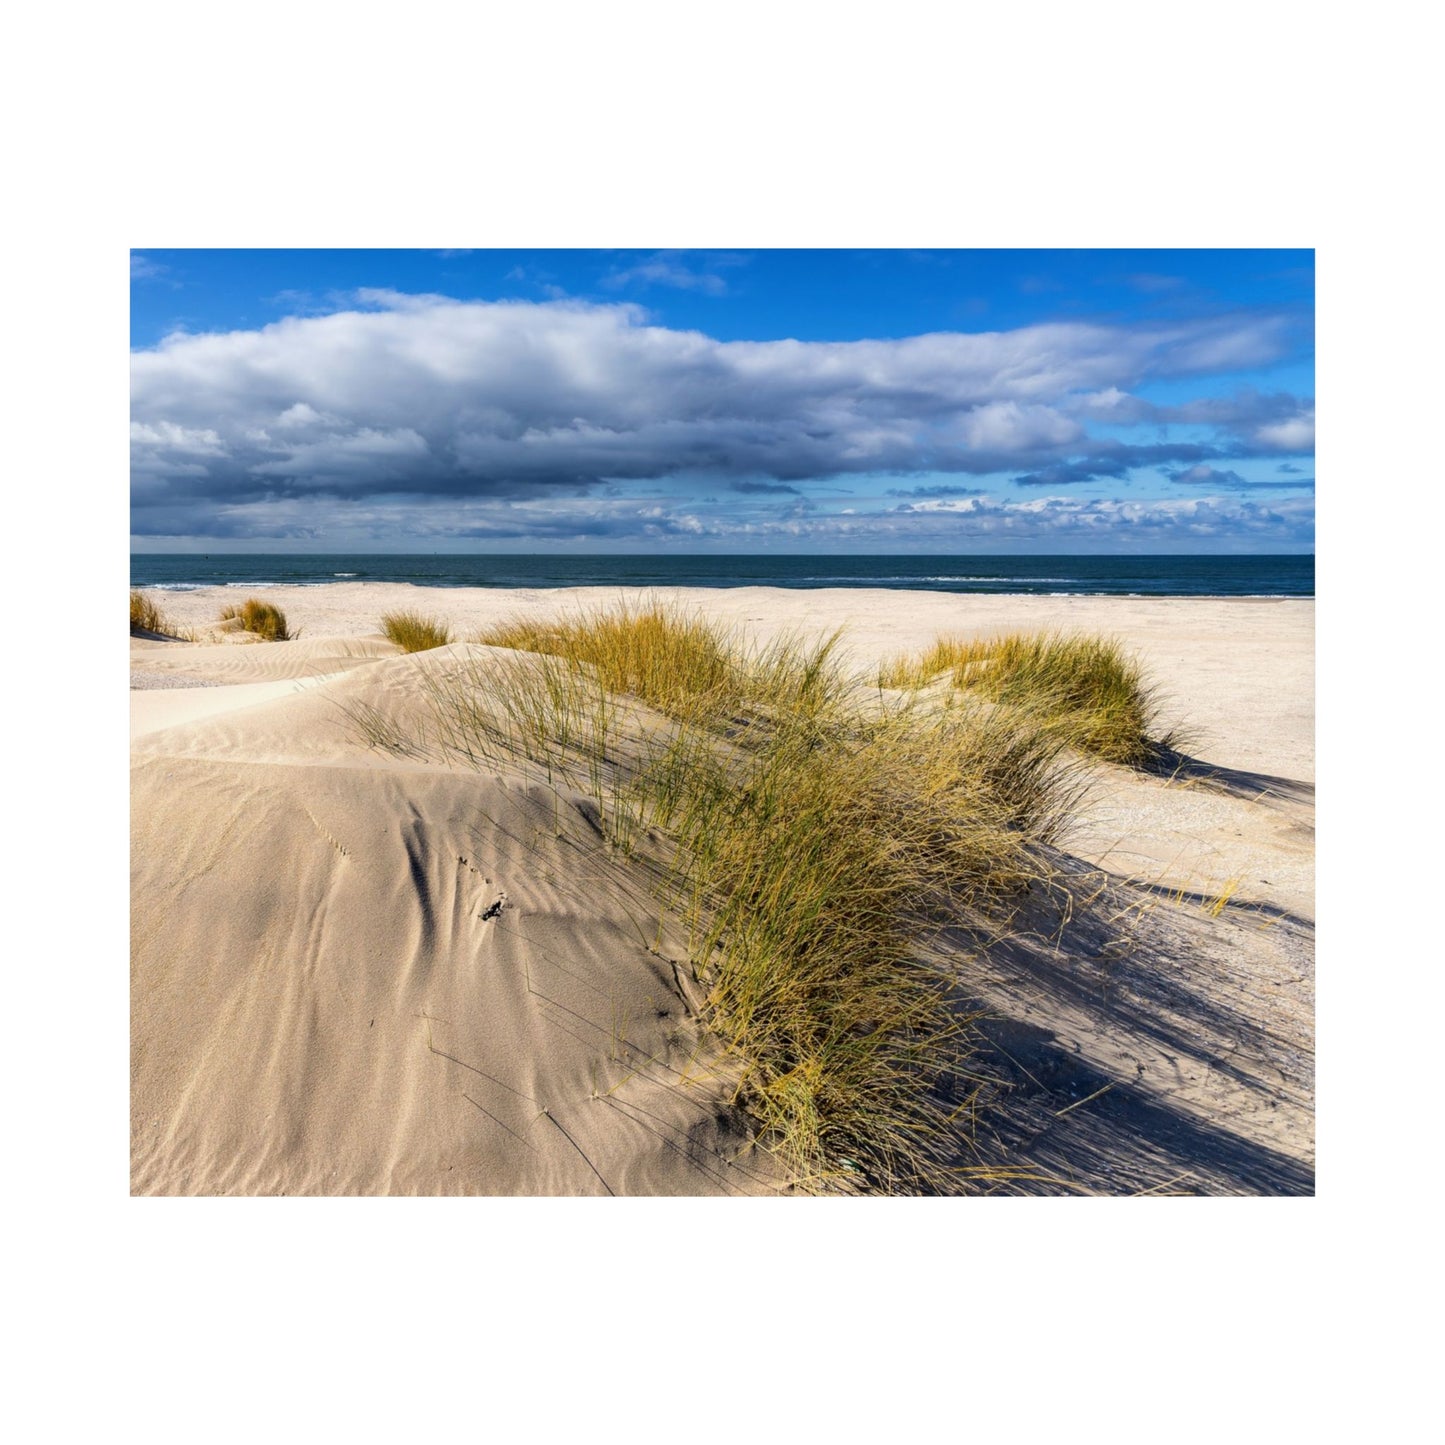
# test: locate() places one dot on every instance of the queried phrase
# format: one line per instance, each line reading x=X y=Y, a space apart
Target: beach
x=358 y=970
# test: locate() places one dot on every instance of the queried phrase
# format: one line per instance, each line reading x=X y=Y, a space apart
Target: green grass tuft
x=265 y=619
x=412 y=632
x=1087 y=689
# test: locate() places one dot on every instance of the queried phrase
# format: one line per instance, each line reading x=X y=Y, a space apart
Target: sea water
x=1151 y=576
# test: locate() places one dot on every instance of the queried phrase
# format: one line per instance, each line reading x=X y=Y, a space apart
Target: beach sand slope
x=361 y=972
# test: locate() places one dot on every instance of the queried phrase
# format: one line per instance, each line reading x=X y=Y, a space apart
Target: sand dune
x=356 y=972
x=359 y=977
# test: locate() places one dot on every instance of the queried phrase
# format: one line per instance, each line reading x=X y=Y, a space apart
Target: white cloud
x=667 y=268
x=1294 y=434
x=1006 y=427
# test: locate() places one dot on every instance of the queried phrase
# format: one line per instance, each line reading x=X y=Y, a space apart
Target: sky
x=931 y=402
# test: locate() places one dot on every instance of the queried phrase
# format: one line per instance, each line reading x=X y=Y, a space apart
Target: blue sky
x=728 y=401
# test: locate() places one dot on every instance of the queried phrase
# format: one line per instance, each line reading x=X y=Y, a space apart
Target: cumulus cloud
x=422 y=397
x=962 y=524
x=1115 y=407
x=1293 y=434
x=1250 y=421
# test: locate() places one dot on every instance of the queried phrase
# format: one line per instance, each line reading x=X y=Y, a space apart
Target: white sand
x=327 y=999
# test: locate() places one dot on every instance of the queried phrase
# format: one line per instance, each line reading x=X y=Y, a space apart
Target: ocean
x=1261 y=576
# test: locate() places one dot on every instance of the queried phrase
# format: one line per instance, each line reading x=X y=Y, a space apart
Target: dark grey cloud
x=763 y=488
x=1212 y=477
x=941 y=490
x=1203 y=476
x=422 y=397
x=1111 y=458
x=1063 y=474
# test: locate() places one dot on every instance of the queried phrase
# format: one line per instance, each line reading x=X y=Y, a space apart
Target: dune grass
x=412 y=632
x=686 y=667
x=1089 y=689
x=146 y=616
x=265 y=619
x=812 y=839
x=663 y=657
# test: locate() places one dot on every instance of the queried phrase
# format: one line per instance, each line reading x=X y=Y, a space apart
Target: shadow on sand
x=1127 y=1049
x=1180 y=767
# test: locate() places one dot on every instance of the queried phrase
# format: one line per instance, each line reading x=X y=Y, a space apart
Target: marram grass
x=812 y=837
x=1088 y=689
x=146 y=616
x=265 y=619
x=412 y=632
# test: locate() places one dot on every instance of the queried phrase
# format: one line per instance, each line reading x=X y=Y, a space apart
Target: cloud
x=1202 y=476
x=142 y=268
x=976 y=522
x=1109 y=457
x=1063 y=474
x=1153 y=284
x=1249 y=421
x=924 y=493
x=764 y=487
x=1293 y=434
x=423 y=397
x=1116 y=407
x=667 y=268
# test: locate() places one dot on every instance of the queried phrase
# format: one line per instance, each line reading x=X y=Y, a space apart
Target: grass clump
x=147 y=619
x=1088 y=689
x=265 y=619
x=682 y=664
x=814 y=839
x=654 y=653
x=822 y=871
x=146 y=616
x=412 y=632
